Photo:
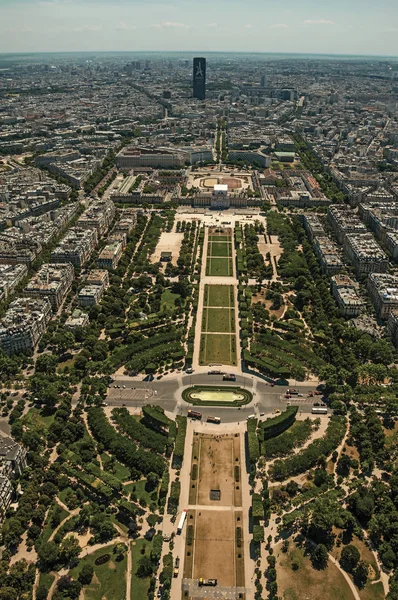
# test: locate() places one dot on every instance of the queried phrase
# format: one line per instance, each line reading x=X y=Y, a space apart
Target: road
x=167 y=393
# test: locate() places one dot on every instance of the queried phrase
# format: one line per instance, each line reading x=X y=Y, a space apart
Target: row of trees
x=138 y=460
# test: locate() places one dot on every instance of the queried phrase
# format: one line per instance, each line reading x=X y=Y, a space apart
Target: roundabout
x=207 y=395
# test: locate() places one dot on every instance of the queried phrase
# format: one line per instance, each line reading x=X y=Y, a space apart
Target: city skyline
x=100 y=25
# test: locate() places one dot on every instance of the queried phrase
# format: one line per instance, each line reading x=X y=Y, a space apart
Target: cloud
x=122 y=26
x=318 y=22
x=170 y=25
x=88 y=28
x=249 y=26
x=16 y=30
x=279 y=26
x=212 y=25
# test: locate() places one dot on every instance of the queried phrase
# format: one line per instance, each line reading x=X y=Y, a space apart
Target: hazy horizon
x=253 y=26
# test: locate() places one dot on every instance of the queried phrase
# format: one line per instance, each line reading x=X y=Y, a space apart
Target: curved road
x=167 y=393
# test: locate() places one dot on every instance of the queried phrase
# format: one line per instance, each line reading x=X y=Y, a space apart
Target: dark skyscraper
x=199 y=78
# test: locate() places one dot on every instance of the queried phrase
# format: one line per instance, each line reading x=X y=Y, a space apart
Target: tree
x=46 y=363
x=320 y=557
x=42 y=592
x=48 y=554
x=86 y=574
x=361 y=574
x=145 y=567
x=344 y=465
x=152 y=481
x=8 y=593
x=70 y=549
x=349 y=558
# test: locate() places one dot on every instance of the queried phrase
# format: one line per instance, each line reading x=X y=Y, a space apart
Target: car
x=124 y=387
x=300 y=395
x=262 y=414
x=277 y=411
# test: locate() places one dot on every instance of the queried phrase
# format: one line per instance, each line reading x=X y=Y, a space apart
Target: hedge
x=189 y=535
x=180 y=438
x=175 y=490
x=154 y=418
x=257 y=507
x=266 y=366
x=258 y=533
x=272 y=427
x=156 y=550
x=239 y=537
x=252 y=440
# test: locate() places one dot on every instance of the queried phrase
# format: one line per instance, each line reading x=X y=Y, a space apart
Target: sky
x=361 y=27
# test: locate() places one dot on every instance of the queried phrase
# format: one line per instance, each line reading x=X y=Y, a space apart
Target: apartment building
x=127 y=222
x=392 y=327
x=391 y=242
x=23 y=325
x=90 y=295
x=12 y=457
x=313 y=226
x=365 y=254
x=76 y=247
x=98 y=277
x=6 y=493
x=344 y=291
x=53 y=282
x=328 y=257
x=383 y=291
x=344 y=221
x=77 y=319
x=110 y=256
x=10 y=277
x=99 y=215
x=301 y=200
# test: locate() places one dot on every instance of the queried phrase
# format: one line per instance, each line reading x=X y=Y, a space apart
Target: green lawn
x=139 y=587
x=219 y=267
x=118 y=470
x=220 y=320
x=109 y=580
x=217 y=349
x=219 y=295
x=63 y=493
x=167 y=300
x=35 y=419
x=46 y=579
x=138 y=488
x=219 y=249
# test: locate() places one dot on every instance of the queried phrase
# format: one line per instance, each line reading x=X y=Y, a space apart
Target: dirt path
x=72 y=513
x=346 y=577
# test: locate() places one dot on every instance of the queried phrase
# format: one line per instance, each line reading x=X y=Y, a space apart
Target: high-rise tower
x=199 y=78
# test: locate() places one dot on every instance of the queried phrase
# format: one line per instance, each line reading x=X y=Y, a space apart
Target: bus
x=319 y=410
x=194 y=414
x=216 y=420
x=229 y=377
x=181 y=521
